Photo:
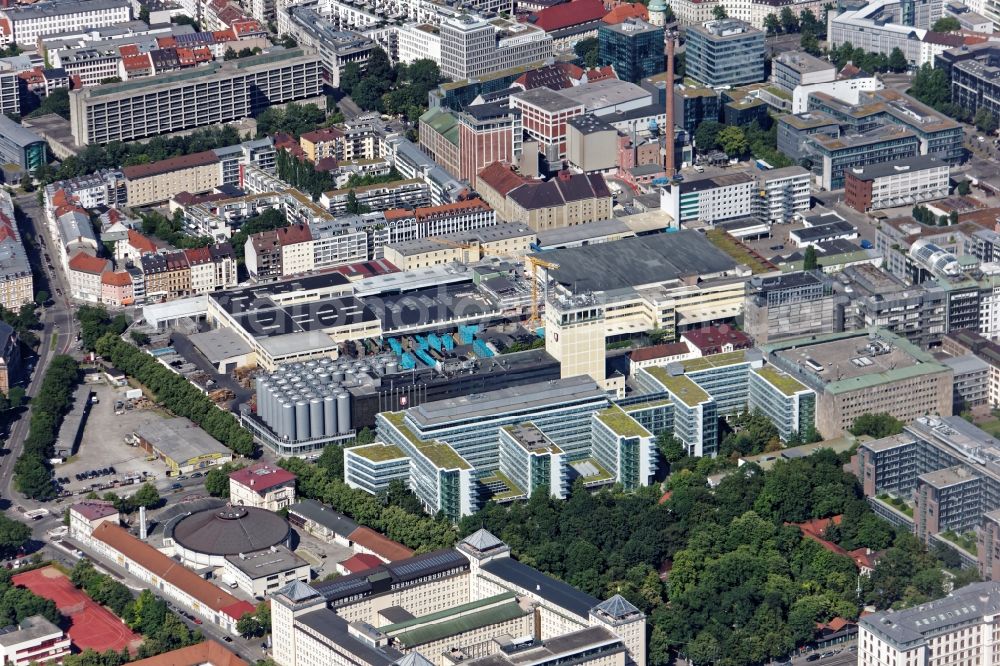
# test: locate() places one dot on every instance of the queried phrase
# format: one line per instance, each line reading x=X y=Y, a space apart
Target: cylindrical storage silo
x=391 y=368
x=343 y=412
x=302 y=420
x=287 y=426
x=265 y=398
x=329 y=415
x=323 y=378
x=316 y=417
x=337 y=375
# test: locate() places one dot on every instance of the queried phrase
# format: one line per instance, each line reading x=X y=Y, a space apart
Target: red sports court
x=91 y=625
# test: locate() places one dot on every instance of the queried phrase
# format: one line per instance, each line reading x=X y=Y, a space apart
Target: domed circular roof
x=230 y=530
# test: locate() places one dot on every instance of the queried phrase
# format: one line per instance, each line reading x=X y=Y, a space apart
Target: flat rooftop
x=851 y=361
x=220 y=344
x=531 y=439
x=180 y=439
x=503 y=401
x=636 y=262
x=266 y=563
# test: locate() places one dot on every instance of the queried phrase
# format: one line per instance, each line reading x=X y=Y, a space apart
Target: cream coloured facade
x=159 y=181
x=961 y=629
x=408 y=612
x=297 y=257
x=502 y=240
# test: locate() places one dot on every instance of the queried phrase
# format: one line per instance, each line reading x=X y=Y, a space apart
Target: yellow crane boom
x=535 y=262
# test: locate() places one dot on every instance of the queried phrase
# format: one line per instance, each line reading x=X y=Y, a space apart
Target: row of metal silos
x=300 y=402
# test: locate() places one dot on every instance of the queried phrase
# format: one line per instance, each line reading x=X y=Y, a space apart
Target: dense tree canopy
x=32 y=472
x=876 y=425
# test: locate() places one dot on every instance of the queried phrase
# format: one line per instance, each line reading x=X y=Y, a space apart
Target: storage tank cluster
x=309 y=399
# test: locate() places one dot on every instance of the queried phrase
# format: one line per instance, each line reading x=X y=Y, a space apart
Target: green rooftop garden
x=621 y=423
x=378 y=452
x=738 y=251
x=778 y=92
x=966 y=541
x=897 y=504
x=512 y=491
x=651 y=404
x=681 y=387
x=784 y=383
x=439 y=454
x=714 y=361
x=602 y=474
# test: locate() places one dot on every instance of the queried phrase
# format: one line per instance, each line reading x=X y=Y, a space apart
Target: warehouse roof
x=180 y=439
x=650 y=259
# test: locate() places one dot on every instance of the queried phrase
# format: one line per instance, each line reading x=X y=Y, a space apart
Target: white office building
x=472 y=46
x=28 y=22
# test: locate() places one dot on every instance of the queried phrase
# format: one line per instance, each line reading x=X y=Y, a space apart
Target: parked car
x=177 y=486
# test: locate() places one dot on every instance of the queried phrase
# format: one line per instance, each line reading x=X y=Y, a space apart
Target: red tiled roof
x=569 y=14
x=320 y=135
x=140 y=242
x=198 y=255
x=4 y=27
x=86 y=263
x=381 y=545
x=501 y=178
x=169 y=570
x=209 y=653
x=116 y=278
x=601 y=74
x=137 y=62
x=457 y=206
x=711 y=338
x=159 y=167
x=360 y=562
x=261 y=477
x=398 y=214
x=295 y=233
x=660 y=351
x=626 y=11
x=166 y=42
x=238 y=609
x=224 y=35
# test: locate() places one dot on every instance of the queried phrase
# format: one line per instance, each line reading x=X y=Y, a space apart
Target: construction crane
x=451 y=243
x=535 y=262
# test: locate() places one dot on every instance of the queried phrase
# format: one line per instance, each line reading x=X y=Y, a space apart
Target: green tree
x=139 y=338
x=354 y=206
x=41 y=298
x=146 y=496
x=230 y=54
x=810 y=44
x=985 y=121
x=719 y=12
x=772 y=25
x=931 y=86
x=810 y=261
x=56 y=102
x=789 y=21
x=946 y=24
x=732 y=139
x=964 y=187
x=13 y=536
x=706 y=135
x=671 y=448
x=588 y=50
x=897 y=60
x=144 y=14
x=876 y=425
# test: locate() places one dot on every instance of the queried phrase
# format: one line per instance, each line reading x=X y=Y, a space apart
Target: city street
x=56 y=336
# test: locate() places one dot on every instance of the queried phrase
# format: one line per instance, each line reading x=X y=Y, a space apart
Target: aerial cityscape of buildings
x=501 y=332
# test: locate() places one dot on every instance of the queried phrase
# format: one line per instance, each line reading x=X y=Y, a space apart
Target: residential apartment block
x=29 y=22
x=214 y=93
x=884 y=25
x=16 y=282
x=34 y=640
x=263 y=486
x=771 y=196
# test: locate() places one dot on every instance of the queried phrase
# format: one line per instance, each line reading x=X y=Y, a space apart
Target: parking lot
x=103 y=446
